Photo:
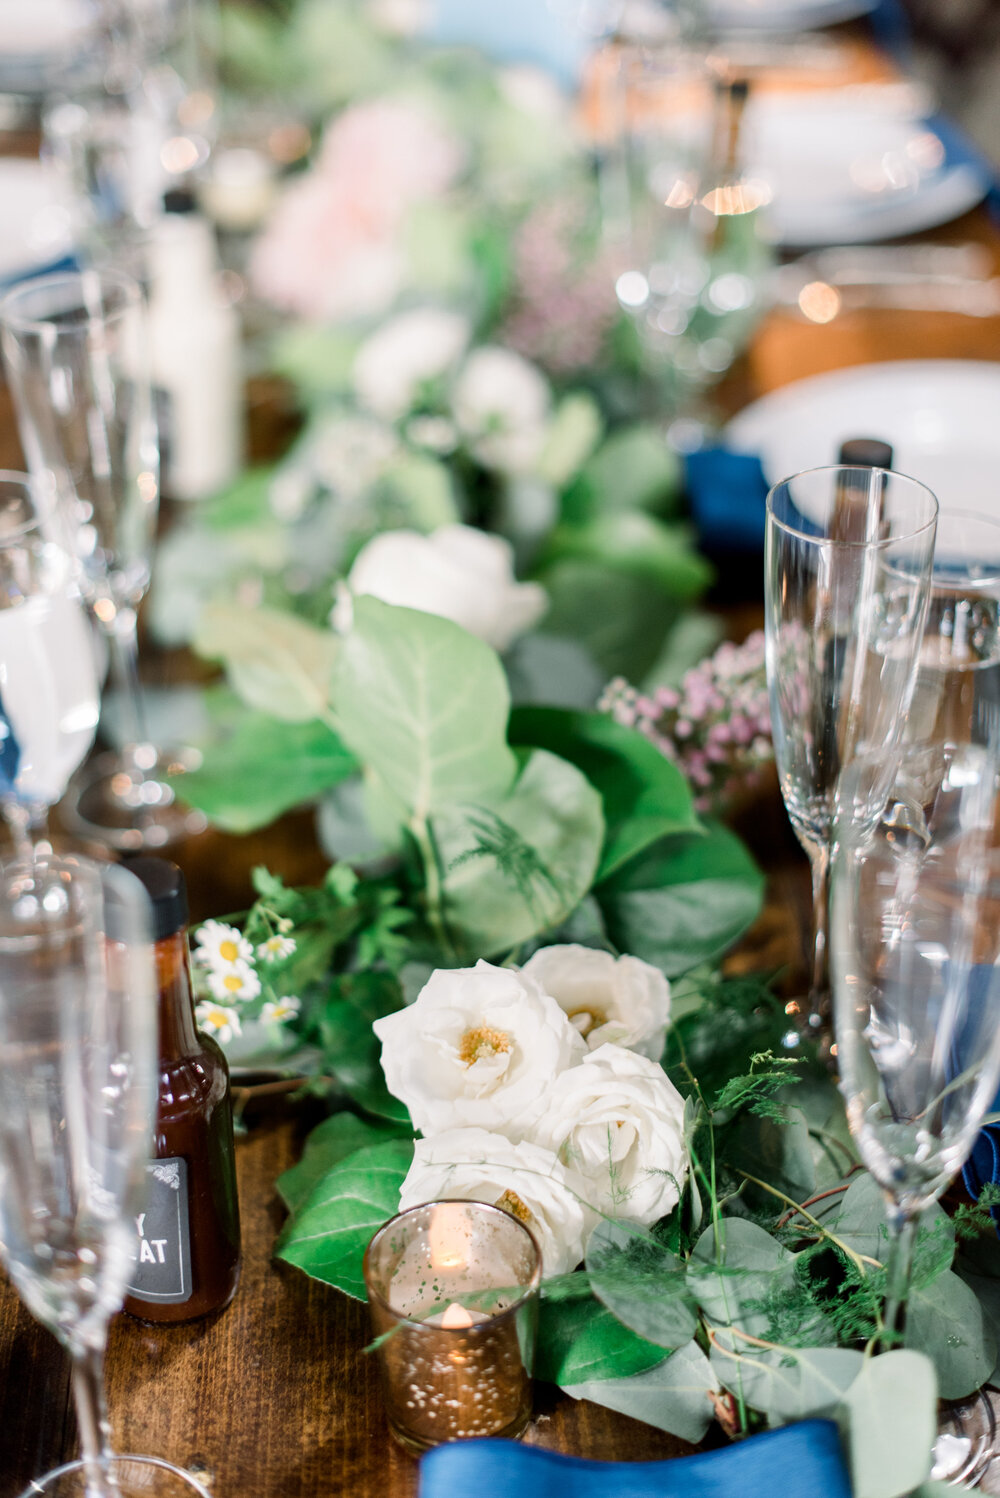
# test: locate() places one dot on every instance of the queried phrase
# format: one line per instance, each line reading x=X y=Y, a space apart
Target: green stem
x=433 y=890
x=859 y=1259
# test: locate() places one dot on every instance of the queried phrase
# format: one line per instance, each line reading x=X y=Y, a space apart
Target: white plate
x=785 y=15
x=36 y=219
x=942 y=417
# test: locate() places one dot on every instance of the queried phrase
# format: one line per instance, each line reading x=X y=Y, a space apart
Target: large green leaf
x=736 y=1275
x=642 y=1283
x=645 y=797
x=634 y=469
x=945 y=1320
x=788 y=1383
x=778 y=1152
x=329 y=1143
x=279 y=664
x=518 y=865
x=580 y=1340
x=424 y=704
x=328 y=1236
x=620 y=619
x=351 y=1048
x=675 y=1395
x=633 y=542
x=684 y=900
x=264 y=768
x=890 y=1414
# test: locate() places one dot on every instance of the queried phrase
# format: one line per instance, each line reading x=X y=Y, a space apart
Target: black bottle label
x=162 y=1254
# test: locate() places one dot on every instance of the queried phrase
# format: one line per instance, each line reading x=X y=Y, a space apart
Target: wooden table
x=275 y=1399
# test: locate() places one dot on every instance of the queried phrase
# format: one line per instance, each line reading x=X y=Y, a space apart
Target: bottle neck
x=178 y=1033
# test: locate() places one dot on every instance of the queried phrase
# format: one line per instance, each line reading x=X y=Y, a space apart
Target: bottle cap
x=165 y=886
x=179 y=200
x=866 y=452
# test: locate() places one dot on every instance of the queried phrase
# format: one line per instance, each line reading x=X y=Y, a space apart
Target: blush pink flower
x=334 y=247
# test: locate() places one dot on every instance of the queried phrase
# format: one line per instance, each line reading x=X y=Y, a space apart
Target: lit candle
x=453 y=1294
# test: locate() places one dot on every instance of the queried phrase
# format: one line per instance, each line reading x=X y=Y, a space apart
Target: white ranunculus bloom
x=458 y=572
x=621 y=1000
x=405 y=353
x=477 y=1049
x=501 y=404
x=527 y=1181
x=617 y=1122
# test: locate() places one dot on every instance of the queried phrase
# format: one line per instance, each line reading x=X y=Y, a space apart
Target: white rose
x=478 y=1048
x=458 y=572
x=405 y=353
x=617 y=1122
x=501 y=405
x=527 y=1181
x=621 y=1000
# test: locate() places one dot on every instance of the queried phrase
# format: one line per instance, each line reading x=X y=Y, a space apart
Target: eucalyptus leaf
x=263 y=769
x=890 y=1415
x=778 y=1153
x=579 y=1340
x=684 y=900
x=625 y=631
x=327 y=1237
x=279 y=664
x=734 y=1273
x=788 y=1383
x=329 y=1143
x=415 y=491
x=634 y=469
x=945 y=1320
x=573 y=433
x=633 y=542
x=675 y=1395
x=645 y=797
x=987 y=1292
x=556 y=672
x=642 y=1283
x=424 y=704
x=519 y=865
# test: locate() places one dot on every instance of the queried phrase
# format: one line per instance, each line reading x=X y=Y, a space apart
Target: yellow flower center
x=217 y=1018
x=587 y=1019
x=233 y=982
x=512 y=1203
x=228 y=950
x=475 y=1044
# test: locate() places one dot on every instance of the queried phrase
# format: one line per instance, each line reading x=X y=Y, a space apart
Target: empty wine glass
x=915 y=942
x=76 y=352
x=847 y=569
x=78 y=1088
x=957 y=695
x=48 y=682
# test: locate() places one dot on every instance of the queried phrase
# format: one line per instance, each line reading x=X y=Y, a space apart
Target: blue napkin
x=10 y=755
x=959 y=150
x=804 y=1458
x=727 y=491
x=516 y=31
x=891 y=27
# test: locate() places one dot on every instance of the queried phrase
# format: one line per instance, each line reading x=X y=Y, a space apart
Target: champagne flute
x=847 y=568
x=915 y=943
x=78 y=1089
x=48 y=683
x=76 y=351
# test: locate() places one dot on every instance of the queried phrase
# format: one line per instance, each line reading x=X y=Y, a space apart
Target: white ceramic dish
x=785 y=15
x=942 y=417
x=36 y=222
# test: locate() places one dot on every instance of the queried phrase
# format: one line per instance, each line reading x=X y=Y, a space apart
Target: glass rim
x=527 y=1290
x=877 y=543
x=41 y=1484
x=946 y=581
x=104 y=276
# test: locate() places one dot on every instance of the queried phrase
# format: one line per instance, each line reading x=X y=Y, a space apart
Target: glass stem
x=898 y=1271
x=21 y=823
x=819 y=988
x=92 y=1419
x=124 y=640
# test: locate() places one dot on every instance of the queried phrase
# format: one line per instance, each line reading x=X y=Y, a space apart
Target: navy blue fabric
x=959 y=150
x=727 y=492
x=10 y=754
x=804 y=1458
x=891 y=27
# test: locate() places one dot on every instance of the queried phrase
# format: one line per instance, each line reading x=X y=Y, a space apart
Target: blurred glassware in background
x=696 y=265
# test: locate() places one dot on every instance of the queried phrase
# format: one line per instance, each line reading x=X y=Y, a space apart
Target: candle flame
x=448 y=1237
x=456 y=1316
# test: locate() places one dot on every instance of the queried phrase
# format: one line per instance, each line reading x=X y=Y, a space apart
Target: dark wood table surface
x=275 y=1398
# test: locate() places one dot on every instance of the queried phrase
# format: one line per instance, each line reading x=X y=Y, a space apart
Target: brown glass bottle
x=188 y=1240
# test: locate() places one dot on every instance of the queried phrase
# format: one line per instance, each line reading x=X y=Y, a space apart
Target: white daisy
x=282 y=1009
x=218 y=1020
x=219 y=946
x=237 y=981
x=276 y=948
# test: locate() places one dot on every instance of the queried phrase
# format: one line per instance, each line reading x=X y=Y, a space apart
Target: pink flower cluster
x=335 y=245
x=715 y=727
x=565 y=302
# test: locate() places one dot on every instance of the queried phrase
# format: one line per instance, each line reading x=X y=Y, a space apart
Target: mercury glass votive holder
x=453 y=1295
